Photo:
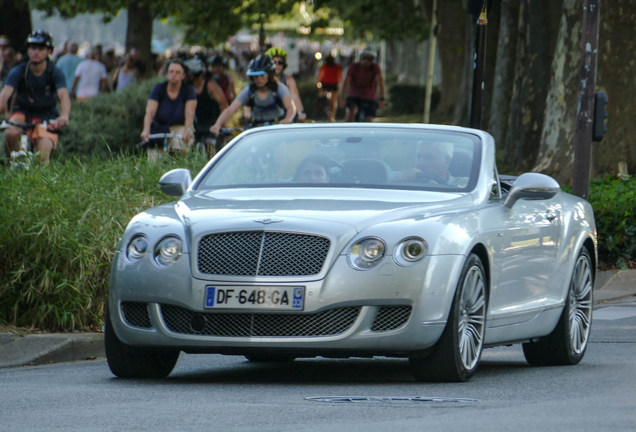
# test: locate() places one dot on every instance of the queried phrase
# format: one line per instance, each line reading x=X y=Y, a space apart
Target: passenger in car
x=433 y=160
x=315 y=168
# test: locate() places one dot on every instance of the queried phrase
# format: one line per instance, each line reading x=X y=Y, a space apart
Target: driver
x=315 y=168
x=433 y=160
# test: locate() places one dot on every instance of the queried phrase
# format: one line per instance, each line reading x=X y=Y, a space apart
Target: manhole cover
x=388 y=399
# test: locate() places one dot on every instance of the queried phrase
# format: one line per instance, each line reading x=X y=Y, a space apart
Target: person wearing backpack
x=269 y=100
x=39 y=85
x=170 y=109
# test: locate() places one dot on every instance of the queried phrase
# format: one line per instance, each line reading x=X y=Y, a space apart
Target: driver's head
x=315 y=168
x=434 y=157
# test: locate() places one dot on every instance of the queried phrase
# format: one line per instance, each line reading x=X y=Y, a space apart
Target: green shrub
x=59 y=227
x=107 y=124
x=614 y=203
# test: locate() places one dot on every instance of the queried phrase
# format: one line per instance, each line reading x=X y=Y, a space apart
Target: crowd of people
x=195 y=101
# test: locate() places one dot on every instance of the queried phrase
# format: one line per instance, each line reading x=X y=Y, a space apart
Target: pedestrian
x=126 y=74
x=90 y=77
x=69 y=62
x=361 y=87
x=170 y=109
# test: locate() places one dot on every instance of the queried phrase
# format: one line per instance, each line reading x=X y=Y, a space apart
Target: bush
x=59 y=227
x=614 y=203
x=409 y=99
x=106 y=124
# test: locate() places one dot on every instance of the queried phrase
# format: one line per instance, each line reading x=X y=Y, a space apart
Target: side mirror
x=532 y=186
x=175 y=182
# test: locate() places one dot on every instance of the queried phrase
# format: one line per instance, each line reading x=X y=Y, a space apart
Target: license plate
x=260 y=297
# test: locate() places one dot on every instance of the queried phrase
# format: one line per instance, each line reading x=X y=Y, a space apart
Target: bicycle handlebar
x=6 y=124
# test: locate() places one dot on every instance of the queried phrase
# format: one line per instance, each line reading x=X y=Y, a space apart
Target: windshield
x=398 y=158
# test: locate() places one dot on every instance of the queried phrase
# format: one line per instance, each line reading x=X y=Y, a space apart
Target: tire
x=567 y=343
x=456 y=356
x=128 y=362
x=270 y=358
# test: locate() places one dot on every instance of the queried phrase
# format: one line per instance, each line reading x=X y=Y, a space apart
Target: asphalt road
x=217 y=393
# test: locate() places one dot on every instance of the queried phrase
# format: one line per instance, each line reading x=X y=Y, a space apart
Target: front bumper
x=424 y=291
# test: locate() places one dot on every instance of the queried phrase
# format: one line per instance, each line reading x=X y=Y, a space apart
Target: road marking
x=613 y=313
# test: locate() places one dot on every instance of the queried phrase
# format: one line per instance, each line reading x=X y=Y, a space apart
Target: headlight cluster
x=166 y=253
x=368 y=252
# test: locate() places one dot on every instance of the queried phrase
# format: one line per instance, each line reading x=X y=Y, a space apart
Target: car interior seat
x=460 y=165
x=363 y=171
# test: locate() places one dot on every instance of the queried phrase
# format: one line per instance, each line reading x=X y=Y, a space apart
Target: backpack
x=277 y=102
x=23 y=85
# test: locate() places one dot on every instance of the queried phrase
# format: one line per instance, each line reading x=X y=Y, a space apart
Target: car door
x=526 y=261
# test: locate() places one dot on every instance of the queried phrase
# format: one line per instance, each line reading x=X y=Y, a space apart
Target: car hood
x=352 y=207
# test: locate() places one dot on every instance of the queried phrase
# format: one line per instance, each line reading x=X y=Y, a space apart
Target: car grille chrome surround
x=262 y=253
x=390 y=318
x=327 y=323
x=136 y=314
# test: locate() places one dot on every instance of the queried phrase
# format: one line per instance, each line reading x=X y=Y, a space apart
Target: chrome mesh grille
x=262 y=253
x=327 y=323
x=136 y=314
x=390 y=318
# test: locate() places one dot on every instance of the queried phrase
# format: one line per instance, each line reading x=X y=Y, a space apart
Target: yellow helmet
x=277 y=52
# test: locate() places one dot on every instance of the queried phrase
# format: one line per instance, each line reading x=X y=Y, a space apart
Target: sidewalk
x=19 y=350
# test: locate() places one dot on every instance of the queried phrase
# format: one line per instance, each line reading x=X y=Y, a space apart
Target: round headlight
x=136 y=248
x=168 y=251
x=366 y=253
x=410 y=251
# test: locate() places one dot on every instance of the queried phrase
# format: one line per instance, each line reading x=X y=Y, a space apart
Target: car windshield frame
x=202 y=182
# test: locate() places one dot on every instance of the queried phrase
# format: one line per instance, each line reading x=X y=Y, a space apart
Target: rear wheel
x=457 y=354
x=129 y=362
x=566 y=345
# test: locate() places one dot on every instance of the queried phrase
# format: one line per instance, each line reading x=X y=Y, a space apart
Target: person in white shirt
x=90 y=78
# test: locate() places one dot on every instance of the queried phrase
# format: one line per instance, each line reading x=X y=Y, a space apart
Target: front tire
x=566 y=345
x=457 y=354
x=129 y=362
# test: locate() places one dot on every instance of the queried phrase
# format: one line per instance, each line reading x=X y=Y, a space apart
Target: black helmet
x=261 y=65
x=217 y=60
x=195 y=66
x=40 y=37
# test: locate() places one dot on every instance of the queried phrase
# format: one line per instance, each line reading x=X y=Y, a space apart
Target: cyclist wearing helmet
x=361 y=86
x=269 y=100
x=210 y=98
x=279 y=57
x=39 y=85
x=225 y=81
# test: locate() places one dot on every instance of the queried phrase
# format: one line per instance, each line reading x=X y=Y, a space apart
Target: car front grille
x=328 y=323
x=136 y=314
x=262 y=253
x=390 y=318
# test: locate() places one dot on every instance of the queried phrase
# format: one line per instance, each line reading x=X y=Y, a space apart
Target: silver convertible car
x=354 y=240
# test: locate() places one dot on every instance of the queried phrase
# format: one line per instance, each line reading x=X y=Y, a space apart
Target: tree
x=15 y=21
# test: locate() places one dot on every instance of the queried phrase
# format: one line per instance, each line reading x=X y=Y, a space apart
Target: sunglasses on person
x=279 y=63
x=368 y=58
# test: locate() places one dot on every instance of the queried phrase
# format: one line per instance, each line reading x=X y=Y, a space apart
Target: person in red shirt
x=361 y=87
x=329 y=80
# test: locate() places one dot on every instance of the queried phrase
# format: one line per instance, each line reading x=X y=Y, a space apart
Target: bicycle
x=208 y=144
x=324 y=101
x=166 y=138
x=24 y=157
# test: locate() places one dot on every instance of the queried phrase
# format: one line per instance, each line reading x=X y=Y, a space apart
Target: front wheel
x=457 y=353
x=566 y=345
x=128 y=362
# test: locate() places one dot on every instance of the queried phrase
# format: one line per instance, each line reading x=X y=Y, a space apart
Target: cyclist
x=269 y=100
x=170 y=109
x=210 y=99
x=279 y=57
x=360 y=87
x=39 y=85
x=329 y=79
x=222 y=79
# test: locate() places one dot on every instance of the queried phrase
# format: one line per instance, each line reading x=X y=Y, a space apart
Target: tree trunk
x=139 y=33
x=616 y=72
x=556 y=153
x=451 y=16
x=535 y=47
x=504 y=72
x=462 y=109
x=492 y=36
x=15 y=22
